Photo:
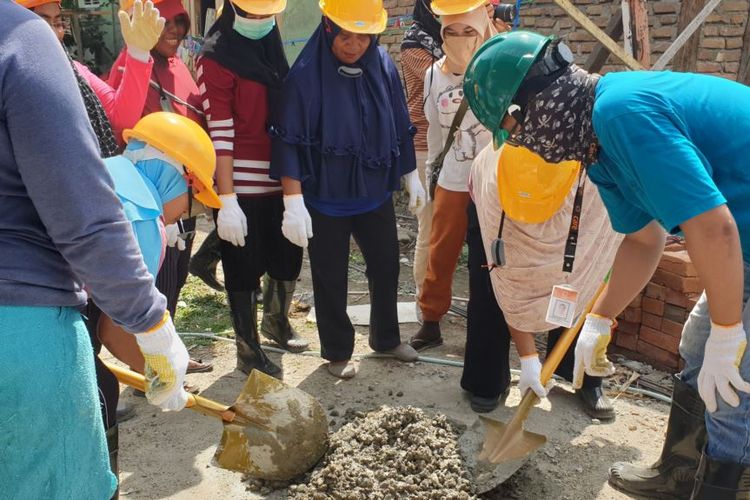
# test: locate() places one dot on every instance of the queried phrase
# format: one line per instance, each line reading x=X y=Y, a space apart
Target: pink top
x=124 y=105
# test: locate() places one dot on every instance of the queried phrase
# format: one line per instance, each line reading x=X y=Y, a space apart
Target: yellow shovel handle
x=196 y=403
x=566 y=339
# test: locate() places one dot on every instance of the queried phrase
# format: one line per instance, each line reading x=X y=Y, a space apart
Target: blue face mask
x=254 y=29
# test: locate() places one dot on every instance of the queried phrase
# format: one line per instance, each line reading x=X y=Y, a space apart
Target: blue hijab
x=331 y=117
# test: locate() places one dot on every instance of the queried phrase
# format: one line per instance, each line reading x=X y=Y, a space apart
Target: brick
x=734 y=6
x=658 y=355
x=595 y=10
x=627 y=340
x=632 y=314
x=713 y=43
x=664 y=32
x=733 y=55
x=711 y=30
x=732 y=67
x=672 y=280
x=666 y=7
x=653 y=306
x=651 y=320
x=668 y=19
x=676 y=298
x=731 y=30
x=629 y=327
x=692 y=300
x=636 y=302
x=671 y=328
x=660 y=340
x=678 y=263
x=734 y=42
x=708 y=55
x=654 y=291
x=674 y=313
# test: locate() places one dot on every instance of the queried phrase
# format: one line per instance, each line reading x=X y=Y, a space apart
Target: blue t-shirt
x=673 y=146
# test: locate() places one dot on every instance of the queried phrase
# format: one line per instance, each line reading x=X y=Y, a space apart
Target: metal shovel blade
x=511 y=441
x=279 y=431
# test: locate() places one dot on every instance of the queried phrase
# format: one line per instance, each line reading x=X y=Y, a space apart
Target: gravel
x=390 y=453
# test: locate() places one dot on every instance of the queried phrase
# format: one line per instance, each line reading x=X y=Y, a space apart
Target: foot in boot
x=428 y=336
x=402 y=352
x=673 y=475
x=718 y=480
x=266 y=366
x=480 y=404
x=595 y=403
x=343 y=369
x=206 y=271
x=275 y=326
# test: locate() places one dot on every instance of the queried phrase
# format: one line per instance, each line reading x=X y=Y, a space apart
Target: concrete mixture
x=390 y=453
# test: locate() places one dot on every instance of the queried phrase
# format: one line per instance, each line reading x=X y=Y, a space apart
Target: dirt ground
x=168 y=455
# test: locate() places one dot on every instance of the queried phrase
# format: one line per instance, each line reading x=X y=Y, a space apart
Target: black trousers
x=174 y=270
x=375 y=234
x=107 y=384
x=486 y=367
x=565 y=370
x=266 y=249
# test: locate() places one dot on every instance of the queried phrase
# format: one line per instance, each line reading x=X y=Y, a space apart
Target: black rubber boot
x=113 y=445
x=596 y=404
x=203 y=262
x=673 y=475
x=721 y=481
x=277 y=299
x=250 y=356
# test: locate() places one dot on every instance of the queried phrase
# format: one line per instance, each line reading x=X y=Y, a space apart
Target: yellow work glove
x=721 y=362
x=591 y=349
x=142 y=29
x=166 y=364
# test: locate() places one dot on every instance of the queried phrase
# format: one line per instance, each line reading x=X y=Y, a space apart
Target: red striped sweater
x=237 y=114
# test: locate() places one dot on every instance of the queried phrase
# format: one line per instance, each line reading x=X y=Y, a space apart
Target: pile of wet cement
x=390 y=453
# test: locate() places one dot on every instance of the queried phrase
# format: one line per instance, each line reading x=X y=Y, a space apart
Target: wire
x=423 y=359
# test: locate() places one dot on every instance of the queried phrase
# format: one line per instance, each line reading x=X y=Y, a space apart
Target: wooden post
x=599 y=55
x=641 y=43
x=743 y=75
x=627 y=28
x=687 y=58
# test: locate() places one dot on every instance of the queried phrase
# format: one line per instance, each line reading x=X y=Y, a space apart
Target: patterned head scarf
x=557 y=124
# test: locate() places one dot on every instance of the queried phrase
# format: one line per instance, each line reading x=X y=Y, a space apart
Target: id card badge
x=562 y=306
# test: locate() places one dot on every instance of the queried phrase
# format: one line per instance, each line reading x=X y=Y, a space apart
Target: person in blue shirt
x=342 y=142
x=668 y=151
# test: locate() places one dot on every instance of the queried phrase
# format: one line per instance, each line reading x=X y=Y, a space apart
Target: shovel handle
x=195 y=403
x=566 y=339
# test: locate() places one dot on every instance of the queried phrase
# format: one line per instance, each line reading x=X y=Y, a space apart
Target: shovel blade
x=508 y=442
x=280 y=431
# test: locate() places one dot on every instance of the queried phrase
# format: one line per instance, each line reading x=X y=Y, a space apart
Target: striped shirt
x=414 y=64
x=237 y=114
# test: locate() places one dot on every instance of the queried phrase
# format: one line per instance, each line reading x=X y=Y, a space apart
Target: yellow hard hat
x=261 y=7
x=454 y=7
x=185 y=141
x=357 y=16
x=530 y=189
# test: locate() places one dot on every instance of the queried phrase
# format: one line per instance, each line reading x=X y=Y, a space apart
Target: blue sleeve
x=58 y=160
x=284 y=160
x=667 y=171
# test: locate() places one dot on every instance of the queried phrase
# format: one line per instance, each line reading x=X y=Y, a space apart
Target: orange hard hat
x=32 y=4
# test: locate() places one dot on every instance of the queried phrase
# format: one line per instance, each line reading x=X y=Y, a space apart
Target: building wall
x=721 y=36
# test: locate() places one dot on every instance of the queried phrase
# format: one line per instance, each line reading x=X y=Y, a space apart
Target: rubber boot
x=673 y=475
x=113 y=446
x=250 y=356
x=721 y=480
x=277 y=299
x=203 y=262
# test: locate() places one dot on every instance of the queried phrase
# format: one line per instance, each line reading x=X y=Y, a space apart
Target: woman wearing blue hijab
x=342 y=142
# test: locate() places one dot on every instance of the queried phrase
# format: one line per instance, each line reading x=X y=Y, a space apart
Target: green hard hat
x=495 y=74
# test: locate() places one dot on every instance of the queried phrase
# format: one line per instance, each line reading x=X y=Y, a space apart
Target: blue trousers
x=52 y=443
x=728 y=428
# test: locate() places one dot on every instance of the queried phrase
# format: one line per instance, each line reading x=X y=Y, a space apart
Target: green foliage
x=204 y=309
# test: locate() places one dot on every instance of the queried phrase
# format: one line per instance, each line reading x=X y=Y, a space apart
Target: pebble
x=335 y=413
x=596 y=421
x=399 y=394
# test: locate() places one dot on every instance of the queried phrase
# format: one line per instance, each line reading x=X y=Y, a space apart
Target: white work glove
x=531 y=373
x=142 y=30
x=721 y=361
x=417 y=194
x=297 y=224
x=231 y=223
x=173 y=237
x=591 y=349
x=166 y=363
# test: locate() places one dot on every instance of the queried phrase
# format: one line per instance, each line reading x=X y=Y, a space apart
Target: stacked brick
x=721 y=36
x=651 y=326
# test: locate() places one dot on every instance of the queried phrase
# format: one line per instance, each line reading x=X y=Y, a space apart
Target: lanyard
x=575 y=223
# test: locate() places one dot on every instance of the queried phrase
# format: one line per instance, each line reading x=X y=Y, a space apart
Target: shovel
x=273 y=431
x=511 y=442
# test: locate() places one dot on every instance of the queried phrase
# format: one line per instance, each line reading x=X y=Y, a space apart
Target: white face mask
x=459 y=50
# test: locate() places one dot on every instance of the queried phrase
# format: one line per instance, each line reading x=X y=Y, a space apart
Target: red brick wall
x=651 y=326
x=720 y=36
